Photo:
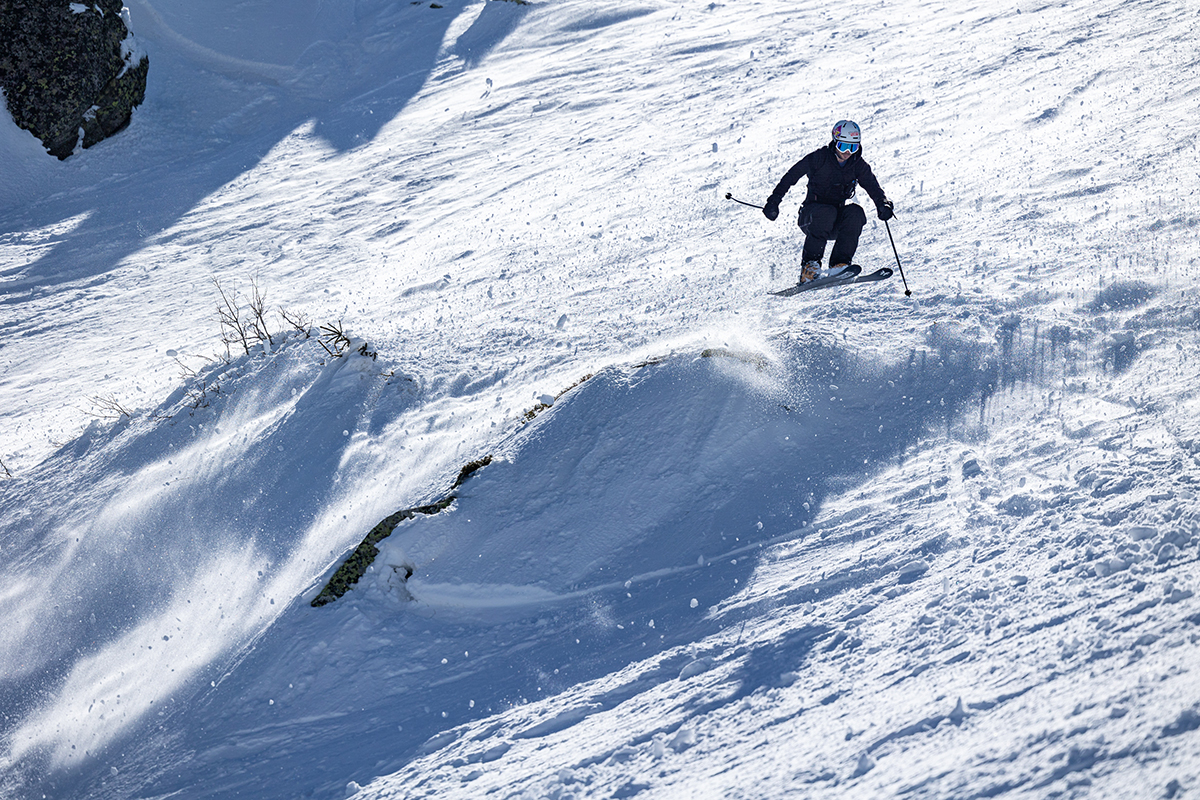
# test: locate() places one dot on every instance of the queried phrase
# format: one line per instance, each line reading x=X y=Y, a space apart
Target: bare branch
x=298 y=320
x=334 y=339
x=234 y=330
x=108 y=407
x=258 y=308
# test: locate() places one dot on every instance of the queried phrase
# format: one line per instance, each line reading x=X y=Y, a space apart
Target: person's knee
x=818 y=221
x=856 y=216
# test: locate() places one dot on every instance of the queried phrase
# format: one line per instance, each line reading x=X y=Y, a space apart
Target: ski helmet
x=847 y=131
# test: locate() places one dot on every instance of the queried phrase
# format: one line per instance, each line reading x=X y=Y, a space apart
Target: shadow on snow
x=209 y=117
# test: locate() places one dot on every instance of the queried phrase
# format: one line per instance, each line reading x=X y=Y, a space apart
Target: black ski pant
x=821 y=222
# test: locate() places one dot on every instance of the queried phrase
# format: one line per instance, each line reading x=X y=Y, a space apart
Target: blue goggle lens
x=847 y=147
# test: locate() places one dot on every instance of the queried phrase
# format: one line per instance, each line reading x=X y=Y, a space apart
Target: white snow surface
x=847 y=544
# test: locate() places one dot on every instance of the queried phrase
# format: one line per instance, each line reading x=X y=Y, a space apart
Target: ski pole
x=907 y=291
x=729 y=196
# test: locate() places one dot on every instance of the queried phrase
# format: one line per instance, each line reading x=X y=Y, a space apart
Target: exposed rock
x=72 y=73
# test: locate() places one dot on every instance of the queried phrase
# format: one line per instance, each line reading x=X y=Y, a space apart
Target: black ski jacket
x=829 y=182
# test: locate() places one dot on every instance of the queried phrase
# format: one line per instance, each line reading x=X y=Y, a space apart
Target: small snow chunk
x=114 y=771
x=860 y=610
x=546 y=399
x=1167 y=552
x=78 y=8
x=912 y=570
x=694 y=668
x=865 y=765
x=1140 y=533
x=694 y=603
x=352 y=788
x=683 y=740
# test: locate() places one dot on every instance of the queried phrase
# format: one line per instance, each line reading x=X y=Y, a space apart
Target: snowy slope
x=845 y=544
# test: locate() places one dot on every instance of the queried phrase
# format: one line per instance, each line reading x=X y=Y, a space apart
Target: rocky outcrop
x=72 y=73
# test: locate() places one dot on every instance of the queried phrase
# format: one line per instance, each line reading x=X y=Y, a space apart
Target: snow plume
x=159 y=575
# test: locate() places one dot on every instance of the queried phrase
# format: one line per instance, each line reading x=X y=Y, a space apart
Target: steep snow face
x=176 y=535
x=975 y=571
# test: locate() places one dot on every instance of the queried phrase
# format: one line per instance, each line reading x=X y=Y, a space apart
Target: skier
x=833 y=173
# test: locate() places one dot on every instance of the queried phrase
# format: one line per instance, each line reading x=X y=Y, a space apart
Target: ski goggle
x=847 y=147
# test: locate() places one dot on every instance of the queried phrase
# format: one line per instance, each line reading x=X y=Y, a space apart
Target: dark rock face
x=71 y=71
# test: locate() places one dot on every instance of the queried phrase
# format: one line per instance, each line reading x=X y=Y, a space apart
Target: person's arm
x=789 y=179
x=867 y=180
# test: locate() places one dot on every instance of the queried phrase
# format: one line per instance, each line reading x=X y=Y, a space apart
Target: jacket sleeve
x=798 y=171
x=867 y=180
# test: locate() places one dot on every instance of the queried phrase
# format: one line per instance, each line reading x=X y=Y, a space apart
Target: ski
x=846 y=277
x=878 y=275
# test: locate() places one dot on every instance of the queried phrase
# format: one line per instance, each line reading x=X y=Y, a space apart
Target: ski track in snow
x=848 y=545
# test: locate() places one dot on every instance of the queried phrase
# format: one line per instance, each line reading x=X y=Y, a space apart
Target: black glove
x=884 y=210
x=771 y=209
